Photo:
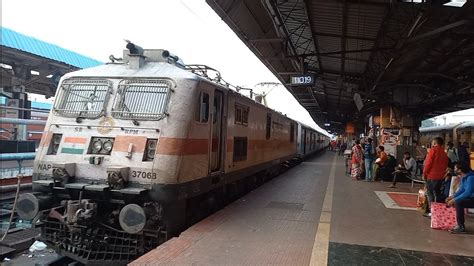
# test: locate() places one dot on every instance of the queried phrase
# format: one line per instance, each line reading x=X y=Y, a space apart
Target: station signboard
x=11 y=113
x=302 y=80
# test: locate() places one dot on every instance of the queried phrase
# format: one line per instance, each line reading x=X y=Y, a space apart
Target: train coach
x=134 y=148
x=455 y=133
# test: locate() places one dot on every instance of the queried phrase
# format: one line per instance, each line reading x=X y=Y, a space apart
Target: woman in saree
x=357 y=161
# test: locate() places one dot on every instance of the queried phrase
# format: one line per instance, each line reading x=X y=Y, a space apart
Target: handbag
x=442 y=216
x=420 y=202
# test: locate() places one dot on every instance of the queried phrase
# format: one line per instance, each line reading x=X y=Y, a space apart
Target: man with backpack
x=369 y=156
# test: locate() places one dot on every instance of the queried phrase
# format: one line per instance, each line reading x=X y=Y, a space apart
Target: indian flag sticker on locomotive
x=74 y=145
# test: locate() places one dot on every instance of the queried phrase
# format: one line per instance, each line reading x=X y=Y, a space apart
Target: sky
x=187 y=28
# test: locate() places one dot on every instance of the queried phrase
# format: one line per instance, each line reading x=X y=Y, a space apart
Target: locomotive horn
x=167 y=54
x=133 y=48
x=132 y=218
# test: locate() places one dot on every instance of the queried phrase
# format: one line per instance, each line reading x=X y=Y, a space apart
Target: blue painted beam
x=17 y=156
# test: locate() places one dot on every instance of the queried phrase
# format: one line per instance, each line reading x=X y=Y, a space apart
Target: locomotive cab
x=112 y=150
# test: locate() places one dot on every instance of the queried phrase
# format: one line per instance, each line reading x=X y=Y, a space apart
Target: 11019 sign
x=302 y=80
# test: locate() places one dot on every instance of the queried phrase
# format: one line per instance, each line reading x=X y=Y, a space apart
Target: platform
x=312 y=215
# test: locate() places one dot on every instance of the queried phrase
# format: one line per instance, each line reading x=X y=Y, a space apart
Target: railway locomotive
x=134 y=148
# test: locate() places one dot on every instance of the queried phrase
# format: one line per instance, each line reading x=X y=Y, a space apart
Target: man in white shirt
x=452 y=155
x=408 y=169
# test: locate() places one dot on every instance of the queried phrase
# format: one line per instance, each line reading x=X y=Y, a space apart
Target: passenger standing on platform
x=434 y=170
x=369 y=157
x=343 y=148
x=452 y=155
x=464 y=197
x=463 y=153
x=352 y=143
x=357 y=159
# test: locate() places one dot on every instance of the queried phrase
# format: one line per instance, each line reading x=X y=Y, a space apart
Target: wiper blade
x=134 y=121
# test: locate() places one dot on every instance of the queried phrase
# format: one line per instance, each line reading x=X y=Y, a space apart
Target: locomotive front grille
x=145 y=99
x=98 y=244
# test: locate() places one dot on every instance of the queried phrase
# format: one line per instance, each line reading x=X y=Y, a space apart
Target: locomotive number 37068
x=143 y=174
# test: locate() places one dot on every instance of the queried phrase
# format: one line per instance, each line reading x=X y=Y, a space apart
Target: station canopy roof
x=24 y=54
x=415 y=56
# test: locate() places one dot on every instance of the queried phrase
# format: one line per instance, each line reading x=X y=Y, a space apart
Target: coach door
x=216 y=131
x=304 y=141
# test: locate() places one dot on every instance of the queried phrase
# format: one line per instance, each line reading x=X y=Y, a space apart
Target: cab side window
x=292 y=132
x=202 y=110
x=241 y=115
x=268 y=126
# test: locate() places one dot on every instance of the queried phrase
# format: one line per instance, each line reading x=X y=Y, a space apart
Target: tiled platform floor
x=344 y=254
x=276 y=224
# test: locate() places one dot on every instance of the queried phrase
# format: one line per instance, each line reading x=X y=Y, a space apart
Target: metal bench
x=418 y=176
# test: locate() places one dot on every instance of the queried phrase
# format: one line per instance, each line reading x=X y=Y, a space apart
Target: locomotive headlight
x=99 y=145
x=107 y=146
x=96 y=146
x=152 y=144
x=150 y=150
x=151 y=154
x=57 y=139
x=54 y=145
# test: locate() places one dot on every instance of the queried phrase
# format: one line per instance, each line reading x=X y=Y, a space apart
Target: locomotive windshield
x=142 y=99
x=82 y=97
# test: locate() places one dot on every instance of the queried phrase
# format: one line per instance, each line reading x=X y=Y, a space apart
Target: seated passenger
x=379 y=162
x=388 y=168
x=464 y=197
x=382 y=156
x=407 y=170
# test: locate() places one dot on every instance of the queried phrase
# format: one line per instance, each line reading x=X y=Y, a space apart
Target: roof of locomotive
x=156 y=69
x=148 y=70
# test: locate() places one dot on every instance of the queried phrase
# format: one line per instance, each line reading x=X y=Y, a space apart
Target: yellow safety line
x=319 y=255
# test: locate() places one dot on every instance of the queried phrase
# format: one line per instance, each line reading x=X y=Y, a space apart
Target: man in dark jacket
x=463 y=153
x=369 y=154
x=434 y=170
x=464 y=197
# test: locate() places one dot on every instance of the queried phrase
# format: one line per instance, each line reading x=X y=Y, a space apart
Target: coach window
x=202 y=110
x=269 y=126
x=241 y=115
x=292 y=132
